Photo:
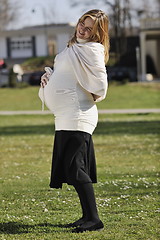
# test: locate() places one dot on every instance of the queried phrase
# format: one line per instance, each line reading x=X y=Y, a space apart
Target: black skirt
x=73 y=159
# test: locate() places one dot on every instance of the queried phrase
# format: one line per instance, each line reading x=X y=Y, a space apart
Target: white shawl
x=89 y=67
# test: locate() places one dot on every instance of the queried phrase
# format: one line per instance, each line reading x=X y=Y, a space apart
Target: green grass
x=127 y=151
x=131 y=95
x=19 y=99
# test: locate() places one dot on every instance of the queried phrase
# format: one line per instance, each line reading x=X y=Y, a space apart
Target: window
x=21 y=44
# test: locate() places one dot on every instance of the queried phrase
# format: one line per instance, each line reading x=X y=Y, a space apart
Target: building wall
x=34 y=41
x=158 y=57
x=150 y=46
x=41 y=45
x=151 y=51
x=62 y=40
x=3 y=48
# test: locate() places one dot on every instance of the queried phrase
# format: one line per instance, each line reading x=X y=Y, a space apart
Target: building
x=35 y=41
x=150 y=47
x=43 y=40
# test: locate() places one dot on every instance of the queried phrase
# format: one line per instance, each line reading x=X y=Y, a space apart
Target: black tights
x=88 y=203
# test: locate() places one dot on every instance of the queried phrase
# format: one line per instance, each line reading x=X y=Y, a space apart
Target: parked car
x=35 y=78
x=3 y=65
x=4 y=77
x=119 y=73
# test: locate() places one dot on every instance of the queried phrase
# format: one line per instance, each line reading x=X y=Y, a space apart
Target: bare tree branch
x=8 y=12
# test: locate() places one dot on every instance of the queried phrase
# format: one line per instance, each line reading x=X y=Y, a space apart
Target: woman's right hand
x=45 y=77
x=44 y=80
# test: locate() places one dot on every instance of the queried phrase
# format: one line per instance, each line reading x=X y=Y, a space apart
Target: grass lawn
x=127 y=150
x=131 y=95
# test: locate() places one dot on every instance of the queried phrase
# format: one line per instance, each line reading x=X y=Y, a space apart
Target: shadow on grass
x=128 y=127
x=19 y=228
x=108 y=128
x=27 y=130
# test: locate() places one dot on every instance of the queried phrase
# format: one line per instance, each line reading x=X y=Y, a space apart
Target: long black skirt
x=73 y=159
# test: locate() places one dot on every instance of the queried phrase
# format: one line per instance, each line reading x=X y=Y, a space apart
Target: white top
x=78 y=71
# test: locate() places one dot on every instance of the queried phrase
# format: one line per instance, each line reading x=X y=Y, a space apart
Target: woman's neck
x=79 y=40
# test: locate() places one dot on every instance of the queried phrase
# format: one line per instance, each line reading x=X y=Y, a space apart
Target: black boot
x=90 y=220
x=84 y=217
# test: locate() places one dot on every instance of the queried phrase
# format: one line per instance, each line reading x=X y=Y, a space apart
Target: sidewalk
x=101 y=111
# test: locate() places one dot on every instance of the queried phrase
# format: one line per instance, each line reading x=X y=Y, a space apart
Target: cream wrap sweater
x=78 y=71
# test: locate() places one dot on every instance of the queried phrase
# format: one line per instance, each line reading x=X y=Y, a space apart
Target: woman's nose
x=83 y=29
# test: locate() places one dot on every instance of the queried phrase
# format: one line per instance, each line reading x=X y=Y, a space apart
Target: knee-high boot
x=90 y=219
x=88 y=202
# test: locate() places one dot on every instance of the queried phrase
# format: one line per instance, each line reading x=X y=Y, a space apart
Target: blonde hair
x=100 y=30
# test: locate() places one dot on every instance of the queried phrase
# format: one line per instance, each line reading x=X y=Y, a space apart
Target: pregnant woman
x=79 y=81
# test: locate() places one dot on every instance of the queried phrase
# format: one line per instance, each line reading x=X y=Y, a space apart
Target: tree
x=120 y=20
x=8 y=12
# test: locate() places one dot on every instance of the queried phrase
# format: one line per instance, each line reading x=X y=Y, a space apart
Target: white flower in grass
x=125 y=196
x=18 y=177
x=157 y=210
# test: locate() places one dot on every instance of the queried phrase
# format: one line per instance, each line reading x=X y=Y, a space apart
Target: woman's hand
x=45 y=77
x=44 y=80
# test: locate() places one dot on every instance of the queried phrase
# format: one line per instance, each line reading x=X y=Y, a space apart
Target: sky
x=37 y=12
x=46 y=11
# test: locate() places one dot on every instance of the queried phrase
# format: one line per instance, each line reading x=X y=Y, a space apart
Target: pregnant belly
x=60 y=101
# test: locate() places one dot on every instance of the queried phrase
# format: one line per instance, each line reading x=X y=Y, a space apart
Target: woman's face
x=84 y=28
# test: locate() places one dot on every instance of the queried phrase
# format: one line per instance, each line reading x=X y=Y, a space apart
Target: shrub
x=37 y=63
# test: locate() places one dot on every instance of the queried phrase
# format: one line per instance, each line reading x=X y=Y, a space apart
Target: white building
x=150 y=45
x=17 y=45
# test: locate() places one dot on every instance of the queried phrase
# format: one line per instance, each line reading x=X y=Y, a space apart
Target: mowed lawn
x=127 y=151
x=131 y=95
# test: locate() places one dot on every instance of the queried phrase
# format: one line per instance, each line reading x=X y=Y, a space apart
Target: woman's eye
x=88 y=29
